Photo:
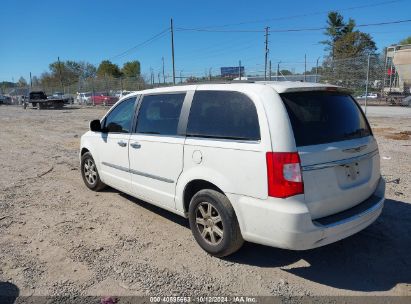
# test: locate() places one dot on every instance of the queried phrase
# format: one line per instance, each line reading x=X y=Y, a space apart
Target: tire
x=90 y=174
x=219 y=234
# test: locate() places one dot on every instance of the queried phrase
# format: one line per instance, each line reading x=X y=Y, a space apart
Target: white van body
x=343 y=191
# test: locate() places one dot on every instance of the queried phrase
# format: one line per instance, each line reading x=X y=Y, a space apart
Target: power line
x=289 y=30
x=301 y=15
x=151 y=39
x=182 y=29
x=359 y=25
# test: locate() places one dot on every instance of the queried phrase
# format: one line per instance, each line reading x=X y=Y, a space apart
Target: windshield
x=322 y=117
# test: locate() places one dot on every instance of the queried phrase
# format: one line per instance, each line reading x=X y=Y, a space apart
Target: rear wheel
x=89 y=173
x=214 y=224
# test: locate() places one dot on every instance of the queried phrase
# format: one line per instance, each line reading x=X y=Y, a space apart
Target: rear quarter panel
x=237 y=167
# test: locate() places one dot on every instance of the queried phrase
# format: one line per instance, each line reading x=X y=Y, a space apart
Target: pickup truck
x=38 y=99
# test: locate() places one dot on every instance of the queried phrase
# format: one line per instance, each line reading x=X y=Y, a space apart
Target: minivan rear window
x=323 y=117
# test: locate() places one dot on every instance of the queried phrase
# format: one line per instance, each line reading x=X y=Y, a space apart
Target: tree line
x=69 y=72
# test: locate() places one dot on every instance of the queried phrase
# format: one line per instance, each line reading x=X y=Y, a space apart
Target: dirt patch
x=72 y=144
x=403 y=135
x=382 y=131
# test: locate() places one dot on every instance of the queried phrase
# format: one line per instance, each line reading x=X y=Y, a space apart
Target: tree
x=336 y=29
x=192 y=79
x=80 y=69
x=343 y=41
x=354 y=44
x=4 y=85
x=348 y=51
x=107 y=68
x=406 y=40
x=35 y=81
x=131 y=69
x=285 y=72
x=67 y=73
x=22 y=82
x=88 y=70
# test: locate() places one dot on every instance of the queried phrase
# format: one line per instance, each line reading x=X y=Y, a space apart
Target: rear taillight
x=284 y=174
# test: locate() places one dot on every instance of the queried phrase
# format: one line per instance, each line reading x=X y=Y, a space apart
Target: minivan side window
x=159 y=114
x=120 y=118
x=223 y=114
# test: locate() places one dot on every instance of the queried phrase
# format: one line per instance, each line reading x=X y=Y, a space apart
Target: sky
x=35 y=33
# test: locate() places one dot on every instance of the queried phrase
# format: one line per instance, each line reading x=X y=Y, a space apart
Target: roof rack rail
x=212 y=82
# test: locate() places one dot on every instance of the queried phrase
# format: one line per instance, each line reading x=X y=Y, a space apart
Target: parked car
x=5 y=99
x=121 y=94
x=406 y=102
x=369 y=95
x=84 y=98
x=68 y=98
x=103 y=99
x=289 y=164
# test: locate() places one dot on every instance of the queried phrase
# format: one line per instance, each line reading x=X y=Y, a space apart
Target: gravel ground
x=59 y=238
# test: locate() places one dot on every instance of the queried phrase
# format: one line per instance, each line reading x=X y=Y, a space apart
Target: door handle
x=135 y=145
x=122 y=143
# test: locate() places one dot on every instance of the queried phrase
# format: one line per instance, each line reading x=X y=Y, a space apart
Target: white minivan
x=285 y=164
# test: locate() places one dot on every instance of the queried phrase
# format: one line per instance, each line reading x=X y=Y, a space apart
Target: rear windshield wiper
x=359 y=132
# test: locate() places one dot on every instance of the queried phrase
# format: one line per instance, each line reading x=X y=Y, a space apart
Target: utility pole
x=366 y=83
x=61 y=79
x=92 y=87
x=269 y=71
x=172 y=50
x=305 y=66
x=181 y=76
x=239 y=69
x=31 y=84
x=158 y=75
x=266 y=52
x=164 y=77
x=316 y=70
x=278 y=69
x=106 y=81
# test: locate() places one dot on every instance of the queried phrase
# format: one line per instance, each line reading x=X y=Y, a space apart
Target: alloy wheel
x=90 y=171
x=209 y=223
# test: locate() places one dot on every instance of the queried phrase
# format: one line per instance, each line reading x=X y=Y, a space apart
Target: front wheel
x=214 y=224
x=89 y=173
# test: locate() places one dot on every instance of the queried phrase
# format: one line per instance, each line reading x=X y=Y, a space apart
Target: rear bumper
x=287 y=223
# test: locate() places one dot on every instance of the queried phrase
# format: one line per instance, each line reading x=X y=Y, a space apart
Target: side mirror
x=95 y=125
